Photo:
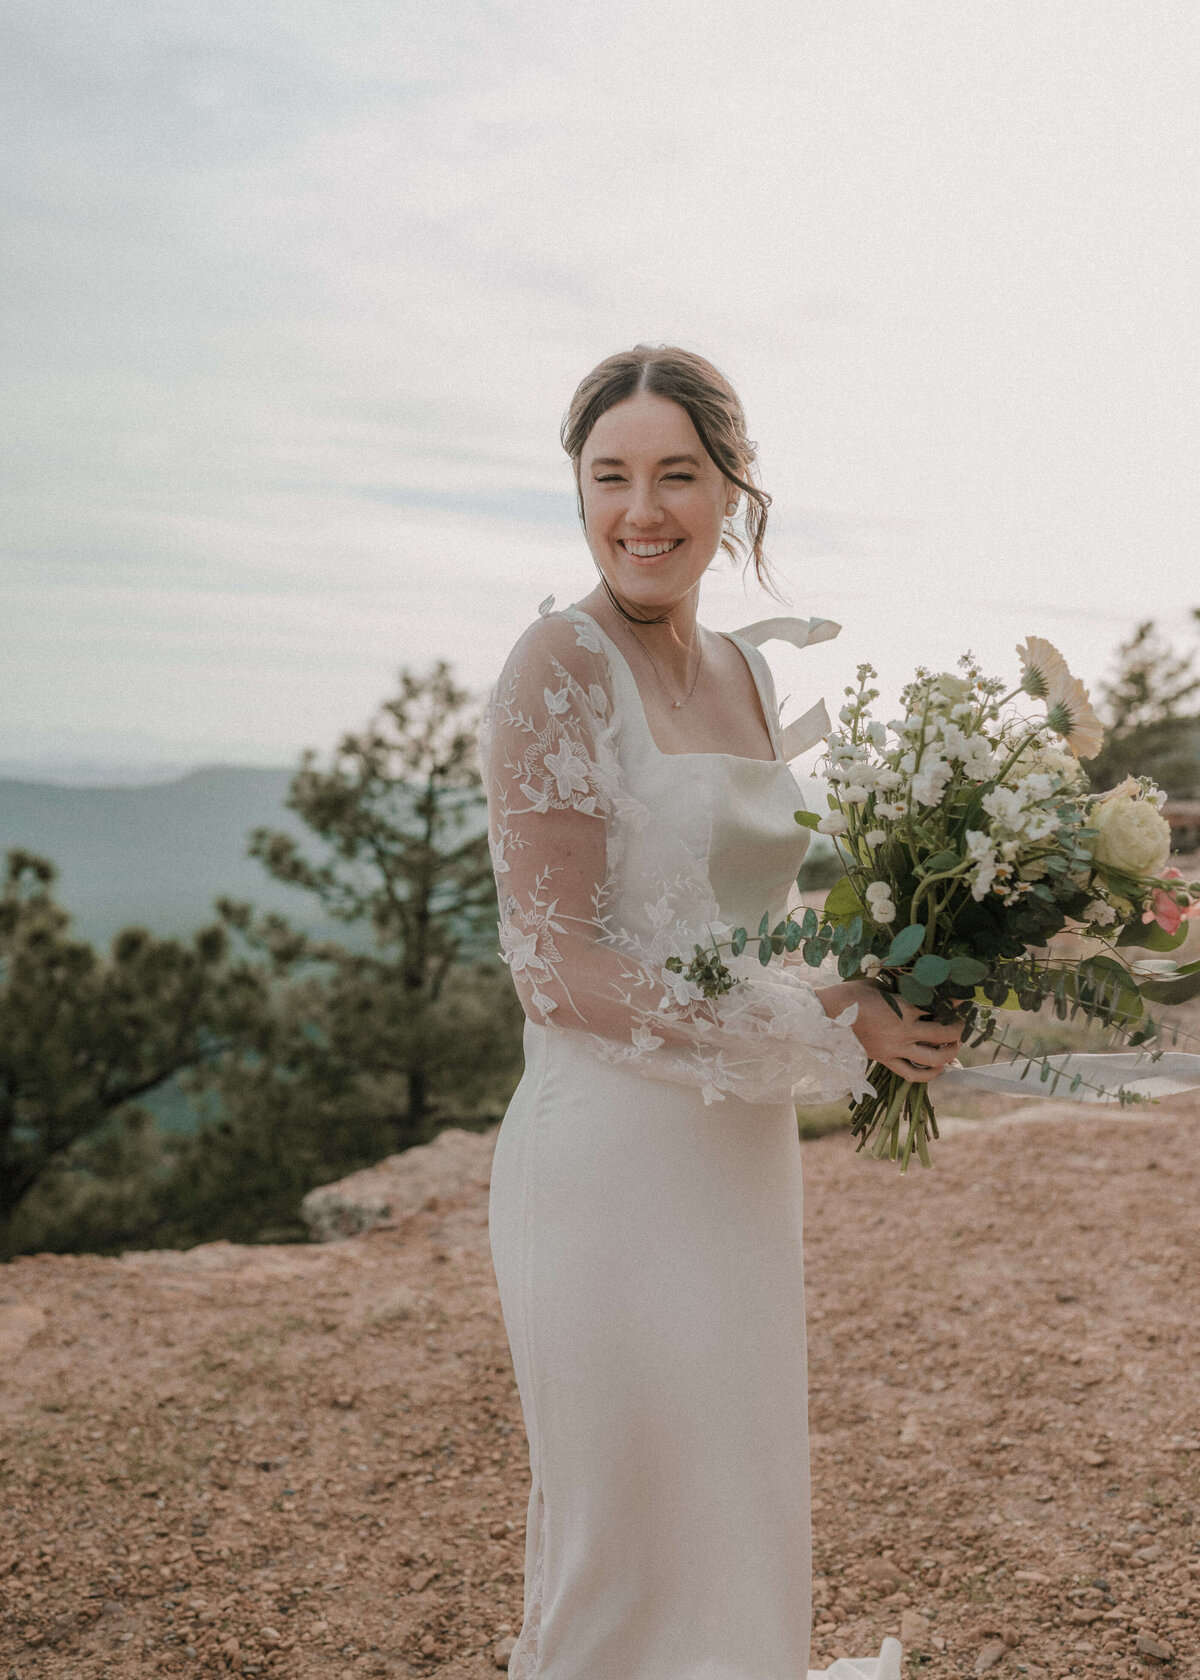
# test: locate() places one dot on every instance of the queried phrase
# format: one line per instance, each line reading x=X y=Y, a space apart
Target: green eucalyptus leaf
x=764 y=925
x=1179 y=987
x=807 y=819
x=738 y=942
x=906 y=944
x=854 y=932
x=814 y=953
x=792 y=937
x=810 y=923
x=764 y=951
x=912 y=989
x=931 y=970
x=842 y=903
x=939 y=862
x=848 y=962
x=967 y=971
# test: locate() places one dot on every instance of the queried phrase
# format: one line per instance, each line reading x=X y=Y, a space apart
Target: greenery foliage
x=307 y=1059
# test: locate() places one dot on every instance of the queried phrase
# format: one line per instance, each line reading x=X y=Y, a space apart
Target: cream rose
x=1133 y=836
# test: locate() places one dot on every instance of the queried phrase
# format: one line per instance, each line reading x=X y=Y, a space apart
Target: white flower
x=660 y=913
x=1006 y=805
x=979 y=847
x=887 y=779
x=835 y=823
x=1134 y=837
x=846 y=714
x=496 y=845
x=645 y=1040
x=870 y=966
x=889 y=813
x=883 y=911
x=855 y=795
x=1099 y=914
x=875 y=836
x=1049 y=759
x=878 y=889
x=683 y=990
x=569 y=767
x=877 y=735
x=929 y=783
x=519 y=949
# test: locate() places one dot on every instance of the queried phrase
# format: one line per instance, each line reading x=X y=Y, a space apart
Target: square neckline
x=738 y=758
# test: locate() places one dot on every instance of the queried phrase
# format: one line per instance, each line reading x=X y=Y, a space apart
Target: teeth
x=647 y=551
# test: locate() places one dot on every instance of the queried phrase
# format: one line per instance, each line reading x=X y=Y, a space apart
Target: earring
x=730 y=509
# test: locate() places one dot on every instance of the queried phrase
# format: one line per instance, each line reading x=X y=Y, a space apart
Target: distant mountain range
x=157 y=856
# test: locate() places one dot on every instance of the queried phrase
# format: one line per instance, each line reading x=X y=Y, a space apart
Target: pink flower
x=1164 y=910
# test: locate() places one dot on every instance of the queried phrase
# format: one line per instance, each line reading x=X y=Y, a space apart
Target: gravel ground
x=308 y=1461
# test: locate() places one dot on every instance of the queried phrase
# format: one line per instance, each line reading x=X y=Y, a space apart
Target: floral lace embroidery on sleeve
x=561 y=820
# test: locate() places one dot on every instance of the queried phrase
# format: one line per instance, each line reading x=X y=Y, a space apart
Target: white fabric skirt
x=648 y=1251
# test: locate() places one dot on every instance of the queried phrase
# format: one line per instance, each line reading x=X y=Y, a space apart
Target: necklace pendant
x=678 y=703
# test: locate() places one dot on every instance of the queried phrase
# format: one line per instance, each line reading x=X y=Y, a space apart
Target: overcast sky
x=295 y=295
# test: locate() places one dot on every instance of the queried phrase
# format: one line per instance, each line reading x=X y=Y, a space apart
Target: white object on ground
x=886 y=1666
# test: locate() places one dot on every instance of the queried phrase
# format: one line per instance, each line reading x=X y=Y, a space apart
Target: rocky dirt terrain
x=308 y=1461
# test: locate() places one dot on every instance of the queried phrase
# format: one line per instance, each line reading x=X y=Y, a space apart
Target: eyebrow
x=667 y=461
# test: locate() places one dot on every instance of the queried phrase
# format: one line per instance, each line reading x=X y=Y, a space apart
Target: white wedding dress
x=646 y=1192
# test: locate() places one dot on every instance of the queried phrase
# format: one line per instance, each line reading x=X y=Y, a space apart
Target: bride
x=646 y=1192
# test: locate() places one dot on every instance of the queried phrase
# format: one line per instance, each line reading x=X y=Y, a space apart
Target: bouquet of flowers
x=970 y=838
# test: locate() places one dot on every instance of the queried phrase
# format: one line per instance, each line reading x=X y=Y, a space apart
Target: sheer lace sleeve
x=561 y=823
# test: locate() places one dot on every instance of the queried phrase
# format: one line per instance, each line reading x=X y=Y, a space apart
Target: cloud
x=302 y=294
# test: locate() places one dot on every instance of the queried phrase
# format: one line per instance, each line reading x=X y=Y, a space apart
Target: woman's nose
x=644 y=507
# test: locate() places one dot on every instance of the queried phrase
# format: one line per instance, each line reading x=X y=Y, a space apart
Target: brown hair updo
x=712 y=405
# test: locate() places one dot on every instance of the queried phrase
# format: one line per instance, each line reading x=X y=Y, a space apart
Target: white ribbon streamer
x=1102 y=1076
x=803 y=732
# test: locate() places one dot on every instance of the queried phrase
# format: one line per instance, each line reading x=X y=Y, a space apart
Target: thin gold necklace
x=658 y=674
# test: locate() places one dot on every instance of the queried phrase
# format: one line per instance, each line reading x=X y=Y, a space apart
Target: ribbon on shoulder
x=803 y=732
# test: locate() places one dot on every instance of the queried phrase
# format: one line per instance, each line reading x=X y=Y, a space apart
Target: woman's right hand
x=910 y=1044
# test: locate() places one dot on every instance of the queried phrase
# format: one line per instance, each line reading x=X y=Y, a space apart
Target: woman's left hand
x=911 y=1044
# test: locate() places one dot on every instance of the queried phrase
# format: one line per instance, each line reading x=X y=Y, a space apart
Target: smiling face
x=653 y=500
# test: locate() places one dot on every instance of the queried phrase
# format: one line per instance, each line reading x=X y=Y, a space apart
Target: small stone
x=914 y=1630
x=1156 y=1649
x=1084 y=1618
x=502 y=1650
x=421 y=1581
x=428 y=1645
x=990 y=1655
x=269 y=1636
x=884 y=1573
x=1095 y=1459
x=499 y=1531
